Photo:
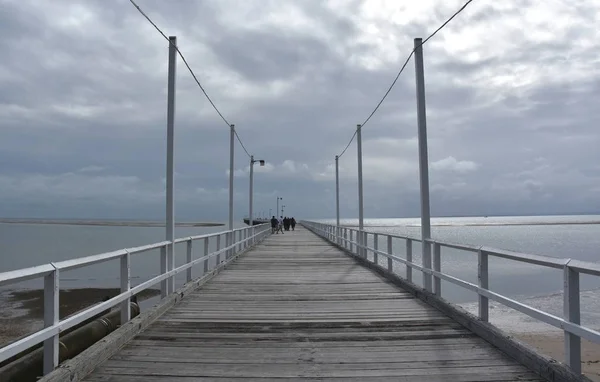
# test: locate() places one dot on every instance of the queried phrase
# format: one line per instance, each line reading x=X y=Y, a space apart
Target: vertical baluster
x=164 y=291
x=345 y=238
x=390 y=263
x=437 y=266
x=125 y=286
x=409 y=259
x=572 y=313
x=51 y=305
x=482 y=277
x=189 y=258
x=206 y=253
x=376 y=248
x=218 y=248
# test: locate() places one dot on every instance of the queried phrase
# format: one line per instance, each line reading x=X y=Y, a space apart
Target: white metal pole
x=170 y=215
x=423 y=163
x=337 y=198
x=231 y=148
x=360 y=190
x=251 y=184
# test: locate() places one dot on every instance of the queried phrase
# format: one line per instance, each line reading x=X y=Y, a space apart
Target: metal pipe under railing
x=51 y=273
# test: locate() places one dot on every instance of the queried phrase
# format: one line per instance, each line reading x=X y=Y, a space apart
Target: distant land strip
x=591 y=222
x=115 y=223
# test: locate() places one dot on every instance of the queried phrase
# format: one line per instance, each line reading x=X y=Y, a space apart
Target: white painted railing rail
x=241 y=239
x=570 y=323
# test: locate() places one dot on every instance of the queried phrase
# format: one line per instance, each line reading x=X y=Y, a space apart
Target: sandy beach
x=552 y=344
x=23 y=313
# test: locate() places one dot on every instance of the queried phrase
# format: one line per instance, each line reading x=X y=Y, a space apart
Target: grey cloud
x=93 y=95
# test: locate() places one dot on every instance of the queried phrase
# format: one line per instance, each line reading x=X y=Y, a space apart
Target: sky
x=512 y=97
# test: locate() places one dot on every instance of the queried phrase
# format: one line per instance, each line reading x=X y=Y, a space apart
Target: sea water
x=576 y=237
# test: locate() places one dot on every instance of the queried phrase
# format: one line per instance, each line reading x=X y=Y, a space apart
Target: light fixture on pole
x=262 y=163
x=282 y=207
x=278 y=199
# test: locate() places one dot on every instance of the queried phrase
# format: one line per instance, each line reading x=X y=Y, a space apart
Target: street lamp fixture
x=278 y=199
x=262 y=163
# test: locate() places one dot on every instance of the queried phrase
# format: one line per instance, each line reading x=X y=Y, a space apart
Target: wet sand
x=23 y=310
x=114 y=223
x=551 y=344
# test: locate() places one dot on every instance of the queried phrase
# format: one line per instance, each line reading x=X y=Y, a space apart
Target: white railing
x=235 y=241
x=571 y=323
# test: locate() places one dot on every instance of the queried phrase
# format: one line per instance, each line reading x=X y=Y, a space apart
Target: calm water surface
x=28 y=245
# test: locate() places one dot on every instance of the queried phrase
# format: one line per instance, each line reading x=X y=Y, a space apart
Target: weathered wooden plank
x=177 y=370
x=296 y=308
x=496 y=377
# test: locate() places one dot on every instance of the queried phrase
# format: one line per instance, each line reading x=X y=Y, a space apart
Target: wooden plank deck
x=296 y=309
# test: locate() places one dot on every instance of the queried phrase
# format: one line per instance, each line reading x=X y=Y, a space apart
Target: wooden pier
x=296 y=308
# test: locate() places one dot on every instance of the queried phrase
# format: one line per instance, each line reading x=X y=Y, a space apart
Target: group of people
x=283 y=223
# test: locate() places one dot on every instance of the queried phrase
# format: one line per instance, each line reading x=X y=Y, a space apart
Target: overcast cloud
x=512 y=103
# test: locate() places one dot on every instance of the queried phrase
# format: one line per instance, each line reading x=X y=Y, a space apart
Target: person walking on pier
x=274 y=223
x=286 y=223
x=293 y=223
x=280 y=225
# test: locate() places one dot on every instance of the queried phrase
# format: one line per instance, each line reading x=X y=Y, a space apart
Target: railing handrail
x=582 y=266
x=570 y=324
x=54 y=326
x=27 y=273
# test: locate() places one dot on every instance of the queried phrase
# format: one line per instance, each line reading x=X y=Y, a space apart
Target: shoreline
x=110 y=223
x=552 y=345
x=23 y=312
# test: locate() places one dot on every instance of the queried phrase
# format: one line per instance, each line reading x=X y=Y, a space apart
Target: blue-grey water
x=24 y=245
x=576 y=237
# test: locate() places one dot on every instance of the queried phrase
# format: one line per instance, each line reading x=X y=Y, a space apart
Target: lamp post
x=282 y=207
x=278 y=199
x=262 y=163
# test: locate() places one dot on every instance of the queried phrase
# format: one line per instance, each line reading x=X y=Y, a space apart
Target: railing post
x=206 y=242
x=351 y=239
x=51 y=306
x=218 y=248
x=423 y=162
x=572 y=313
x=376 y=248
x=230 y=251
x=125 y=286
x=189 y=259
x=409 y=258
x=437 y=266
x=390 y=263
x=164 y=290
x=482 y=276
x=346 y=238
